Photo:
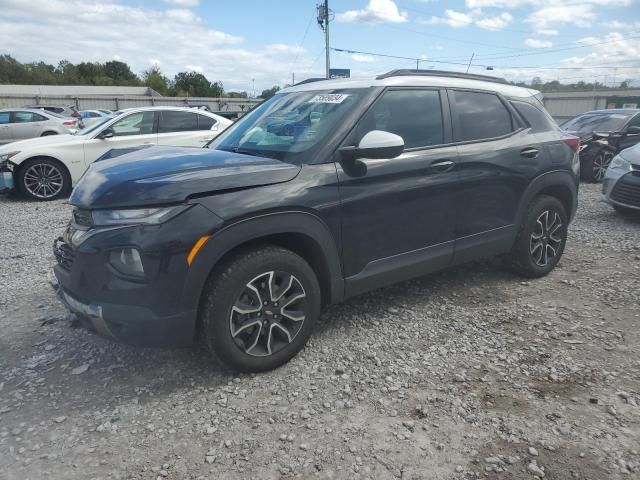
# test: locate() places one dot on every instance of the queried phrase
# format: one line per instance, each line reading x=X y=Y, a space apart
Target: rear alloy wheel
x=43 y=179
x=259 y=308
x=541 y=238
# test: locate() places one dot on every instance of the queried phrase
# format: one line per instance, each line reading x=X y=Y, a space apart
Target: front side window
x=415 y=115
x=140 y=123
x=479 y=116
x=289 y=126
x=176 y=121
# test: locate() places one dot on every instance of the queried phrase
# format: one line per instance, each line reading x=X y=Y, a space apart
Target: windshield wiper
x=245 y=151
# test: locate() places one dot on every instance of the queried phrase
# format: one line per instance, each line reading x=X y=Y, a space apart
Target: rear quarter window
x=538 y=120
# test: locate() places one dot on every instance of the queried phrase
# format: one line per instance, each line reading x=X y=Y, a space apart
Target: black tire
x=594 y=163
x=48 y=134
x=58 y=175
x=526 y=257
x=625 y=211
x=228 y=287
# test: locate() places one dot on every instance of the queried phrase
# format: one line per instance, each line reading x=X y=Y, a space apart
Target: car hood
x=164 y=175
x=38 y=142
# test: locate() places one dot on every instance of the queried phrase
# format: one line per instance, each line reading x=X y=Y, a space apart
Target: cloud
x=547 y=31
x=535 y=43
x=182 y=3
x=376 y=11
x=476 y=17
x=617 y=25
x=38 y=30
x=359 y=57
x=579 y=15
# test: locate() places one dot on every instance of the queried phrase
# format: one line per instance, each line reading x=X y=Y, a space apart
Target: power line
x=304 y=37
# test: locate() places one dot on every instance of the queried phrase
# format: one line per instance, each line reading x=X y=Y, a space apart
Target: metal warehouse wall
x=565 y=105
x=120 y=102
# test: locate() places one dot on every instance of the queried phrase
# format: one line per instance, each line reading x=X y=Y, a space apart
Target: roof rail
x=310 y=80
x=440 y=73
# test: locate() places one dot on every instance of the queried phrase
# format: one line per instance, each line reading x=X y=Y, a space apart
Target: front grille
x=627 y=190
x=64 y=254
x=82 y=217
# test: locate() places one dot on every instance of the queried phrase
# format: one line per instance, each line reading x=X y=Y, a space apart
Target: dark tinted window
x=174 y=121
x=415 y=115
x=205 y=123
x=538 y=120
x=479 y=115
x=591 y=122
x=635 y=121
x=4 y=117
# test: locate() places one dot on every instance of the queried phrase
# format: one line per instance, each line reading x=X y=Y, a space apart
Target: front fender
x=250 y=229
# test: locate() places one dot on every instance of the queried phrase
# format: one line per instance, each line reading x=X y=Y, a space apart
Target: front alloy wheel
x=601 y=163
x=268 y=314
x=259 y=308
x=43 y=179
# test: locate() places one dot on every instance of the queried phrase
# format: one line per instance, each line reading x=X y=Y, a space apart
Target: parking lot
x=468 y=373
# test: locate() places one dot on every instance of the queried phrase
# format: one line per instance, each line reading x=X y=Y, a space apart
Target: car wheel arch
x=560 y=184
x=25 y=161
x=302 y=232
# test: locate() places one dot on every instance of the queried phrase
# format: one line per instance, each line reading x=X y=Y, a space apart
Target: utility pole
x=293 y=78
x=470 y=60
x=323 y=21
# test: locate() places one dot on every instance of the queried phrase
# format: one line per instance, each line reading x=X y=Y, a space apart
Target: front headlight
x=6 y=156
x=134 y=216
x=620 y=163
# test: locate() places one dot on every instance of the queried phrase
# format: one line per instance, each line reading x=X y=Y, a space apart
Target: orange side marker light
x=196 y=248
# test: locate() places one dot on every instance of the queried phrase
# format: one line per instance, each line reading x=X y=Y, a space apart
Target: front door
x=129 y=130
x=398 y=214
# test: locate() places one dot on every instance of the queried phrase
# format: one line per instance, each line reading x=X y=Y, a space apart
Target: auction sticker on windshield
x=329 y=98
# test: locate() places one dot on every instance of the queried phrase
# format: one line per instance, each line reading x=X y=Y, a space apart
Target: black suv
x=324 y=191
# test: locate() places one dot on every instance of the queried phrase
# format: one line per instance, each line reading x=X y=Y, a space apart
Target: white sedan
x=46 y=168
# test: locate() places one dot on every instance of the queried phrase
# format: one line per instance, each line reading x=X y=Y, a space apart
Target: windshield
x=289 y=124
x=593 y=122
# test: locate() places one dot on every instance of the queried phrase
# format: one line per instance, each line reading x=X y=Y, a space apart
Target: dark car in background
x=621 y=184
x=322 y=192
x=603 y=134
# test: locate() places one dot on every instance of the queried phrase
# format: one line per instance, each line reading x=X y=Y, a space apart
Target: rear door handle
x=441 y=165
x=529 y=152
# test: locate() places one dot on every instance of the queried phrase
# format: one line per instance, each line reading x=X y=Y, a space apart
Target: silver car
x=23 y=123
x=621 y=185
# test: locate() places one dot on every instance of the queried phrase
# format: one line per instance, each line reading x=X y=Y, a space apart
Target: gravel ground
x=469 y=373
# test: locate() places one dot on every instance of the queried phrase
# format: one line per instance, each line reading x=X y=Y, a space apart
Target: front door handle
x=441 y=166
x=529 y=152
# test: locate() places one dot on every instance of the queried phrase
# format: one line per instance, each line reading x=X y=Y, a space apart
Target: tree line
x=555 y=86
x=114 y=72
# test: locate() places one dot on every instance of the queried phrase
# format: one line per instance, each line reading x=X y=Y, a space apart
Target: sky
x=255 y=44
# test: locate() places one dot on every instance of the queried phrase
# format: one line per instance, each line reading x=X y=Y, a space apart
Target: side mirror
x=106 y=133
x=376 y=144
x=633 y=130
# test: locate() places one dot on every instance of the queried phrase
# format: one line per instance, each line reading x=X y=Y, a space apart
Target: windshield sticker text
x=329 y=98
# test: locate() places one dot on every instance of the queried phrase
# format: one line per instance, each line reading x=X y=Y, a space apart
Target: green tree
x=121 y=73
x=236 y=95
x=195 y=84
x=153 y=78
x=269 y=92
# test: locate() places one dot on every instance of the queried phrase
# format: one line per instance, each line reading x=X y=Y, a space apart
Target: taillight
x=75 y=114
x=69 y=122
x=573 y=142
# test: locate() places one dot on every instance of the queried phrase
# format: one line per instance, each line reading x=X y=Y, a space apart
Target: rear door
x=184 y=128
x=497 y=158
x=27 y=124
x=6 y=128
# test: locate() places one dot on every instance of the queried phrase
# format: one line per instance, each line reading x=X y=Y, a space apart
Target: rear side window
x=205 y=123
x=26 y=117
x=415 y=115
x=174 y=121
x=538 y=120
x=479 y=116
x=4 y=117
